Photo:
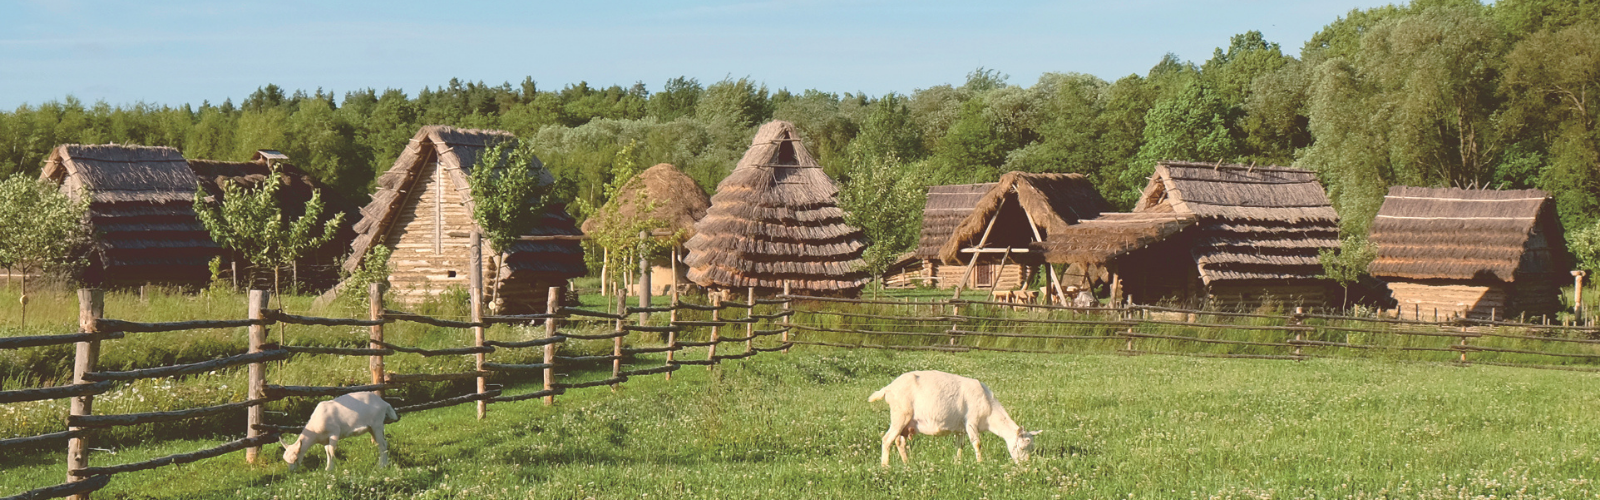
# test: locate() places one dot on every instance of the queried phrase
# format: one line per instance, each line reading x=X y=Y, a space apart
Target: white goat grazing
x=348 y=415
x=938 y=403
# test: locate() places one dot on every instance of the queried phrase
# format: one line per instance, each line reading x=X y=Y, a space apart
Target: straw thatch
x=1254 y=223
x=1049 y=202
x=1460 y=234
x=661 y=193
x=423 y=208
x=1100 y=240
x=775 y=219
x=141 y=211
x=319 y=267
x=946 y=207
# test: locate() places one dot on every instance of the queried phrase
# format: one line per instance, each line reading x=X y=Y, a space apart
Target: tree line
x=1432 y=93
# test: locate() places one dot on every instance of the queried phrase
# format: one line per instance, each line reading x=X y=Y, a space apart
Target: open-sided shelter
x=141 y=212
x=422 y=210
x=1256 y=236
x=1472 y=253
x=1019 y=210
x=320 y=266
x=663 y=197
x=776 y=219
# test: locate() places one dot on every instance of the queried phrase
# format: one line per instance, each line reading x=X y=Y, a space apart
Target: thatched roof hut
x=1470 y=252
x=776 y=219
x=1103 y=239
x=945 y=208
x=423 y=211
x=1023 y=208
x=320 y=267
x=1258 y=233
x=141 y=211
x=661 y=193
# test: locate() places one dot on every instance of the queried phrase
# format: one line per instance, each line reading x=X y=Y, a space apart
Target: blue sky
x=182 y=51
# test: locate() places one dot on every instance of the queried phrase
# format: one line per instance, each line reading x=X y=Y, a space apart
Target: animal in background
x=348 y=415
x=937 y=403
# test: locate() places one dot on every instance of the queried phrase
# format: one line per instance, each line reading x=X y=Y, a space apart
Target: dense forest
x=1434 y=93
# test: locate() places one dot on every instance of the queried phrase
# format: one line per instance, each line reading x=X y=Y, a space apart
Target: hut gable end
x=1048 y=202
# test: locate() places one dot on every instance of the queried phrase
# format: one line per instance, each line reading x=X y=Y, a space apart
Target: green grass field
x=798 y=425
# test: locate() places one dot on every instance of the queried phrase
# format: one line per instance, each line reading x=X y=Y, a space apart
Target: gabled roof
x=946 y=207
x=776 y=219
x=672 y=197
x=457 y=151
x=115 y=172
x=1462 y=234
x=1053 y=201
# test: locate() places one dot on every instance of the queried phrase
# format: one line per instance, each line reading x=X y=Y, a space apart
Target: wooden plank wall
x=1450 y=300
x=431 y=238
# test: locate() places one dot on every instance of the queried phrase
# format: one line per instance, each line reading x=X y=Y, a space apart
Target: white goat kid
x=938 y=403
x=348 y=415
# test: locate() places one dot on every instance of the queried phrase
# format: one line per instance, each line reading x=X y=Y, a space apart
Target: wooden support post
x=91 y=307
x=257 y=385
x=716 y=315
x=788 y=304
x=984 y=240
x=750 y=328
x=552 y=304
x=234 y=267
x=1577 y=293
x=644 y=279
x=475 y=261
x=1295 y=320
x=616 y=343
x=375 y=332
x=672 y=320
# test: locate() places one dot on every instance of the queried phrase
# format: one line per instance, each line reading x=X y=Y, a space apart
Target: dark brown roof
x=141 y=210
x=1461 y=234
x=776 y=219
x=1099 y=240
x=457 y=151
x=946 y=207
x=297 y=187
x=672 y=197
x=1255 y=223
x=1053 y=201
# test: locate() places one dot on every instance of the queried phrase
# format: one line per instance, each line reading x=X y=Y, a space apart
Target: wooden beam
x=981 y=242
x=996 y=250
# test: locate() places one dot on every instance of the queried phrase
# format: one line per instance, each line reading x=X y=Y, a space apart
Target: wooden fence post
x=672 y=322
x=716 y=315
x=91 y=307
x=552 y=305
x=257 y=387
x=750 y=328
x=955 y=310
x=787 y=306
x=475 y=294
x=1463 y=342
x=1298 y=334
x=644 y=279
x=616 y=342
x=375 y=332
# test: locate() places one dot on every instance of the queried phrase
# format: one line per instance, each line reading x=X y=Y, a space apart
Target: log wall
x=432 y=239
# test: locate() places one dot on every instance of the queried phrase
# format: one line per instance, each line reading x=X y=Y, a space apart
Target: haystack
x=664 y=194
x=1473 y=253
x=320 y=267
x=775 y=219
x=141 y=212
x=992 y=243
x=1257 y=234
x=422 y=210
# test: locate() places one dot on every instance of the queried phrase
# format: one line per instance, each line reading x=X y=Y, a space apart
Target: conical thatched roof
x=1050 y=202
x=141 y=210
x=456 y=151
x=946 y=207
x=1255 y=223
x=1461 y=234
x=776 y=219
x=669 y=195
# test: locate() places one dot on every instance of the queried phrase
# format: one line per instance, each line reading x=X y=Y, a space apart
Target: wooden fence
x=88 y=380
x=975 y=325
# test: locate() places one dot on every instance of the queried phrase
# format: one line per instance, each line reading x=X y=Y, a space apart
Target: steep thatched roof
x=456 y=151
x=1099 y=240
x=947 y=206
x=671 y=197
x=1050 y=202
x=1461 y=234
x=776 y=219
x=141 y=210
x=1255 y=223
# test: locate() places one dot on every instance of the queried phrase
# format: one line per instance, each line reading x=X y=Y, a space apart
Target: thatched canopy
x=456 y=151
x=776 y=219
x=1049 y=202
x=1100 y=240
x=668 y=195
x=141 y=210
x=1461 y=234
x=946 y=207
x=1255 y=223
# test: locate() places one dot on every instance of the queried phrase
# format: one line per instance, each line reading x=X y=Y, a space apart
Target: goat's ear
x=1035 y=433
